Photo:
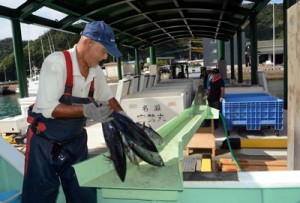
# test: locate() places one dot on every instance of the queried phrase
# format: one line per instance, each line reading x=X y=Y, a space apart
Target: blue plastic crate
x=252 y=111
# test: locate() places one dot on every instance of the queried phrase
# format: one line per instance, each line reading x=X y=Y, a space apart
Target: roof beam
x=183 y=17
x=193 y=27
x=148 y=18
x=8 y=13
x=29 y=7
x=224 y=5
x=119 y=20
x=206 y=23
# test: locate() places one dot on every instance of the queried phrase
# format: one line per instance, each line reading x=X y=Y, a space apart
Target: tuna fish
x=133 y=132
x=128 y=150
x=115 y=146
x=152 y=134
x=152 y=158
x=138 y=140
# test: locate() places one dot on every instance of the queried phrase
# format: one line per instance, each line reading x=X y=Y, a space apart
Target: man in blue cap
x=72 y=87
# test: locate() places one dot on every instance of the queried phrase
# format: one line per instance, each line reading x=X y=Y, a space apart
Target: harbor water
x=9 y=106
x=9 y=103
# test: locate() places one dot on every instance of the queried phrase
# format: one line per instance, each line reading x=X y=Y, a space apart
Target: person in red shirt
x=216 y=92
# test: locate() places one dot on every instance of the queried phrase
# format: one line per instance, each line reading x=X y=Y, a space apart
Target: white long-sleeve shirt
x=53 y=78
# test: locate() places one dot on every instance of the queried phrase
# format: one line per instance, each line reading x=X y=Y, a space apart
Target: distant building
x=265 y=51
x=210 y=55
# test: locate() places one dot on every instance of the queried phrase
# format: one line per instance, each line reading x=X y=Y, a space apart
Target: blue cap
x=101 y=32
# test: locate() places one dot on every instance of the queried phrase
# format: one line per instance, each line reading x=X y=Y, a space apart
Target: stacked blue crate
x=252 y=111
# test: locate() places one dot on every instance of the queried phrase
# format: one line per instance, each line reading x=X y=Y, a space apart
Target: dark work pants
x=216 y=105
x=45 y=172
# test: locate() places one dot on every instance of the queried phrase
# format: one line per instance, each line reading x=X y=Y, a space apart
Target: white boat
x=33 y=84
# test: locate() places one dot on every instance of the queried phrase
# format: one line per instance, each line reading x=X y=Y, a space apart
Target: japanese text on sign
x=155 y=117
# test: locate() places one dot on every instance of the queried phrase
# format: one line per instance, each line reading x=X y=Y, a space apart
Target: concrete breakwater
x=9 y=87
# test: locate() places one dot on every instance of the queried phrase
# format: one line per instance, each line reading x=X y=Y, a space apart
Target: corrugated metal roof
x=140 y=23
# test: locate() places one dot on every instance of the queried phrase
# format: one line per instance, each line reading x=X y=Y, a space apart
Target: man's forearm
x=67 y=111
x=76 y=111
x=222 y=92
x=114 y=105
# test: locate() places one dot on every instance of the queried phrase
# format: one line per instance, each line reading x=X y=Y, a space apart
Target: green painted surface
x=232 y=72
x=239 y=55
x=221 y=50
x=146 y=181
x=19 y=57
x=10 y=178
x=254 y=52
x=152 y=55
x=223 y=195
x=229 y=195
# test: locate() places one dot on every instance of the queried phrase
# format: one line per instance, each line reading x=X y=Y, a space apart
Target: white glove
x=205 y=97
x=221 y=99
x=98 y=111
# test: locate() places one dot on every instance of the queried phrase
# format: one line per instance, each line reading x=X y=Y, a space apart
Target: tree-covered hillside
x=38 y=49
x=265 y=23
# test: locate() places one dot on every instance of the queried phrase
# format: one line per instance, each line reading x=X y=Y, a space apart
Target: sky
x=32 y=32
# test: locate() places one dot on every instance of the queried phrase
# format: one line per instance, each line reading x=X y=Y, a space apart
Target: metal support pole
x=253 y=33
x=239 y=56
x=274 y=56
x=221 y=50
x=152 y=55
x=232 y=58
x=137 y=62
x=19 y=57
x=119 y=66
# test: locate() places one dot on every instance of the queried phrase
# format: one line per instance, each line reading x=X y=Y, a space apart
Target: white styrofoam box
x=122 y=89
x=128 y=68
x=134 y=85
x=111 y=72
x=153 y=109
x=161 y=92
x=143 y=82
x=95 y=135
x=187 y=88
x=113 y=87
x=151 y=80
x=164 y=85
x=25 y=103
x=17 y=124
x=157 y=79
x=153 y=69
x=178 y=81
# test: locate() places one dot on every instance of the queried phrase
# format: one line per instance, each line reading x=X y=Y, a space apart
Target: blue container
x=252 y=111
